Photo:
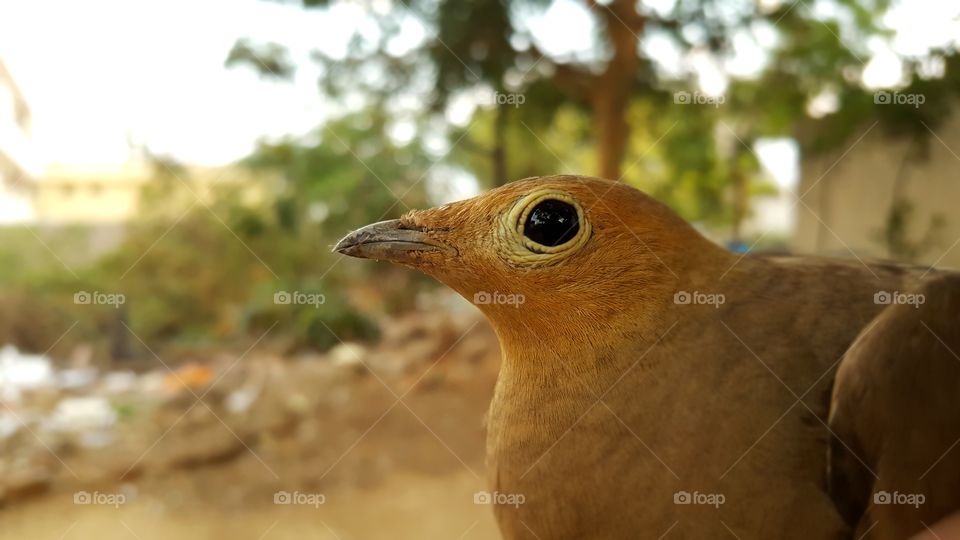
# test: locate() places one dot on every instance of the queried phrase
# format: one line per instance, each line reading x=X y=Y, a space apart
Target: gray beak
x=388 y=241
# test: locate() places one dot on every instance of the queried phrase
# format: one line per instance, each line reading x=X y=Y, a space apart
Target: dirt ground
x=326 y=451
x=404 y=506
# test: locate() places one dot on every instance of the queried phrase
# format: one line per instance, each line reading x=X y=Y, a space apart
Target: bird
x=654 y=384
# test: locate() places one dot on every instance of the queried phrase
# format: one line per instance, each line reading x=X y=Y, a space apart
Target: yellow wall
x=112 y=195
x=86 y=202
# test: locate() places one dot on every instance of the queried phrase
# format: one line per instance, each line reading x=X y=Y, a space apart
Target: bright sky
x=100 y=73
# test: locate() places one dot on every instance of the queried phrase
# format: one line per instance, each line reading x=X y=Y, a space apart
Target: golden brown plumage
x=651 y=381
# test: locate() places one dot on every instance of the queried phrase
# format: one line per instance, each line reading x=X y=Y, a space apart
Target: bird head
x=537 y=253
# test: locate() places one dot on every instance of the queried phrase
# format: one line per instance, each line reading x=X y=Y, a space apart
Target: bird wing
x=894 y=458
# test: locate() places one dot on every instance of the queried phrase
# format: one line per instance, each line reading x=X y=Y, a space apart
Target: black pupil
x=552 y=223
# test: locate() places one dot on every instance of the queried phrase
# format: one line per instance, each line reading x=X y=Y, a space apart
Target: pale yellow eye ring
x=517 y=248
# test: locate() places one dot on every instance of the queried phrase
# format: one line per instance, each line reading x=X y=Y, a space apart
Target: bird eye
x=552 y=223
x=542 y=228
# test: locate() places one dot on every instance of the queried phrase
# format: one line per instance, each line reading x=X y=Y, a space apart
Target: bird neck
x=614 y=308
x=543 y=389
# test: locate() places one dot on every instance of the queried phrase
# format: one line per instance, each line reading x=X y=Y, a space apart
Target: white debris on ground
x=79 y=425
x=19 y=372
x=240 y=400
x=76 y=378
x=81 y=414
x=119 y=382
x=347 y=354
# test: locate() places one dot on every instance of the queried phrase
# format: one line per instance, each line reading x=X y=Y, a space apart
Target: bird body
x=653 y=382
x=698 y=403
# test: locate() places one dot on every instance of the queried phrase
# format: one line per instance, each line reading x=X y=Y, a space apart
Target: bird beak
x=389 y=241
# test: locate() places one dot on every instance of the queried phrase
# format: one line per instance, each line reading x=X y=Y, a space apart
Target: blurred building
x=851 y=195
x=114 y=194
x=15 y=135
x=89 y=195
x=97 y=202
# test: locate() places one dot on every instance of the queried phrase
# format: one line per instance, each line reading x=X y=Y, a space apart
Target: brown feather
x=613 y=398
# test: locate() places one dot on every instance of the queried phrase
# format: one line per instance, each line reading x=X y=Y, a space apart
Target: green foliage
x=472 y=45
x=215 y=273
x=270 y=59
x=211 y=251
x=816 y=49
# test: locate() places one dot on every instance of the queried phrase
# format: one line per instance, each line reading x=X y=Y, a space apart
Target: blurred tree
x=803 y=53
x=480 y=42
x=205 y=259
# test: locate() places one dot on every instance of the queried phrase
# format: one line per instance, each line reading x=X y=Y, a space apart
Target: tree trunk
x=610 y=96
x=610 y=130
x=498 y=155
